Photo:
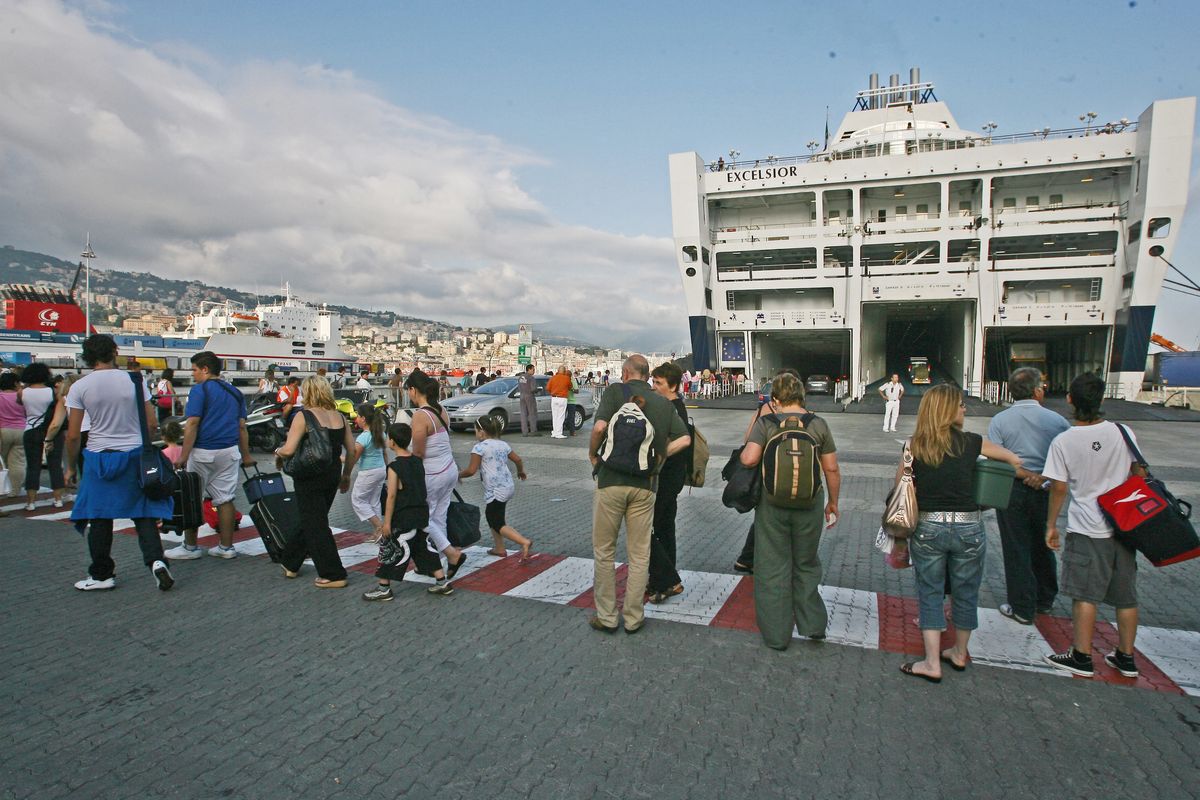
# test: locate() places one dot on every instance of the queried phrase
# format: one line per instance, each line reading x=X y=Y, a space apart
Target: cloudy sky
x=488 y=162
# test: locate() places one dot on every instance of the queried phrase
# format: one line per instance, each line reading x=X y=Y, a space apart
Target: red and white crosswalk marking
x=1169 y=660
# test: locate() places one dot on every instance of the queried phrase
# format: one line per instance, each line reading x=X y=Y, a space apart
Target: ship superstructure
x=908 y=237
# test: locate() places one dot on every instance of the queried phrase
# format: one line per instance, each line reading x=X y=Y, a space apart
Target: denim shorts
x=948 y=549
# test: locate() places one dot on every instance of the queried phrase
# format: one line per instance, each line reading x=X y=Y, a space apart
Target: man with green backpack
x=796 y=454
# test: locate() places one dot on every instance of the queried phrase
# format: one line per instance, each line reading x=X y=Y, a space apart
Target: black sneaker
x=453 y=570
x=1122 y=663
x=162 y=576
x=1073 y=662
x=1007 y=611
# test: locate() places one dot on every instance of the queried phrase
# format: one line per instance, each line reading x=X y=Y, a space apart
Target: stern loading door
x=893 y=333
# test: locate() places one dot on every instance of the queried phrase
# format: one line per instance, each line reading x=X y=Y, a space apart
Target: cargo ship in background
x=48 y=325
x=906 y=240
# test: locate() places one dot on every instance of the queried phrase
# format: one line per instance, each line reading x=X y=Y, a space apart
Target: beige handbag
x=900 y=509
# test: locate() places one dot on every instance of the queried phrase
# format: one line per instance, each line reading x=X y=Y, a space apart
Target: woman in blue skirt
x=109 y=488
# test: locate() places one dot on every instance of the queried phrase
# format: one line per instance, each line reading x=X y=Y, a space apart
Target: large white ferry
x=289 y=336
x=906 y=237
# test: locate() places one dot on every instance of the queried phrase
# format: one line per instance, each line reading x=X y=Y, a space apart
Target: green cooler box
x=993 y=483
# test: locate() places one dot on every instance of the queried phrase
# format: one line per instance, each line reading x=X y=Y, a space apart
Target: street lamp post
x=87 y=255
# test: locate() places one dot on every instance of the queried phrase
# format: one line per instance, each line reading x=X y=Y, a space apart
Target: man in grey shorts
x=1091 y=458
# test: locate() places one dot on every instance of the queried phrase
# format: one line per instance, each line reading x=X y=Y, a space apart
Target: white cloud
x=245 y=174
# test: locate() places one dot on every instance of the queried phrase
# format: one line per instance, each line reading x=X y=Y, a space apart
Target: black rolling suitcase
x=277 y=518
x=188 y=502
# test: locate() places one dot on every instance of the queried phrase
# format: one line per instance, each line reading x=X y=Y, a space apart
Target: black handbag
x=314 y=456
x=156 y=473
x=743 y=485
x=462 y=522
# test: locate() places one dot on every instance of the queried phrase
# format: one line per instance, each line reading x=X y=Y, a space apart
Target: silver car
x=502 y=398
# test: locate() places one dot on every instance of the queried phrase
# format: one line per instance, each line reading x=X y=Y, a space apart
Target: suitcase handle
x=257 y=471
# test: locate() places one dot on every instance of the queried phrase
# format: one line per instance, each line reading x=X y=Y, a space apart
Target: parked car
x=501 y=398
x=818 y=384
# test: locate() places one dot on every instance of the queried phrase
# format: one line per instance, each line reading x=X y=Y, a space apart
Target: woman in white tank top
x=431 y=442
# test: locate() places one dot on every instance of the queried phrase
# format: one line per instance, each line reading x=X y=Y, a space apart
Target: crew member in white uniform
x=892 y=391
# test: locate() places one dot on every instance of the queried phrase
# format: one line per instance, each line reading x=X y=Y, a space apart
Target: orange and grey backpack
x=791 y=465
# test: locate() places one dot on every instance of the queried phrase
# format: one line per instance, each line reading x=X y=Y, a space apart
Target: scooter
x=264 y=427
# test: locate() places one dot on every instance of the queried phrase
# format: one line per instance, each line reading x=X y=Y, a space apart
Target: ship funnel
x=893 y=84
x=873 y=84
x=914 y=77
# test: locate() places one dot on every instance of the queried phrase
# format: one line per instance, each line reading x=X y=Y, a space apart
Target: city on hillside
x=142 y=303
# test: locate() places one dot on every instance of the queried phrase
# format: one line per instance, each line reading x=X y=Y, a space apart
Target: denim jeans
x=954 y=549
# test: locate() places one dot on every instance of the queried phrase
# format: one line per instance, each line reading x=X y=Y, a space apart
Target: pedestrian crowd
x=643 y=449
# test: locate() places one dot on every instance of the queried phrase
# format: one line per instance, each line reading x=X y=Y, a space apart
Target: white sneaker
x=222 y=552
x=58 y=503
x=30 y=507
x=90 y=584
x=162 y=576
x=183 y=553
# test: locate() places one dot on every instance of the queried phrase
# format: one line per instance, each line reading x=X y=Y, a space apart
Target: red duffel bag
x=1148 y=518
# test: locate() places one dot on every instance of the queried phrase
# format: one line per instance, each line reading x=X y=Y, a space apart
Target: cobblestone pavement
x=238 y=683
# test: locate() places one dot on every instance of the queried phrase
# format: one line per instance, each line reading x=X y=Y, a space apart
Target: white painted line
x=560 y=584
x=1176 y=653
x=853 y=616
x=57 y=515
x=704 y=594
x=1000 y=642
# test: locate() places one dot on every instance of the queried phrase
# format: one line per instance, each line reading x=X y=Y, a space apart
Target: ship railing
x=922 y=145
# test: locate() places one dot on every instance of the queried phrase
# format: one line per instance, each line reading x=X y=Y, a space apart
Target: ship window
x=964 y=207
x=1127 y=281
x=1056 y=201
x=729 y=301
x=1158 y=228
x=901 y=212
x=834 y=213
x=689 y=253
x=704 y=255
x=708 y=299
x=882 y=215
x=297 y=344
x=1135 y=231
x=923 y=208
x=1010 y=202
x=1032 y=202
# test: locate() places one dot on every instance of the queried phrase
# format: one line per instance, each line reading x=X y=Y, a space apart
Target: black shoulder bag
x=314 y=456
x=156 y=474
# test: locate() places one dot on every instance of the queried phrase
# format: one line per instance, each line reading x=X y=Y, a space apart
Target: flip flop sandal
x=956 y=667
x=462 y=559
x=907 y=669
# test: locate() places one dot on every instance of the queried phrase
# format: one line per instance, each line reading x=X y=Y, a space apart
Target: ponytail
x=374 y=424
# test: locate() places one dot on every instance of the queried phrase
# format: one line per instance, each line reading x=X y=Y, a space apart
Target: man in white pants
x=892 y=391
x=559 y=387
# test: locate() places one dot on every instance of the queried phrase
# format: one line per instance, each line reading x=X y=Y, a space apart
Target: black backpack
x=791 y=465
x=628 y=445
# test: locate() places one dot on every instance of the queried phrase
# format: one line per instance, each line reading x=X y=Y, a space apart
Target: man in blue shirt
x=1026 y=428
x=214 y=444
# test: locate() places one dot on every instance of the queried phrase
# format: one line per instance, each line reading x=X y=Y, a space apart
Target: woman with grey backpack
x=793 y=450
